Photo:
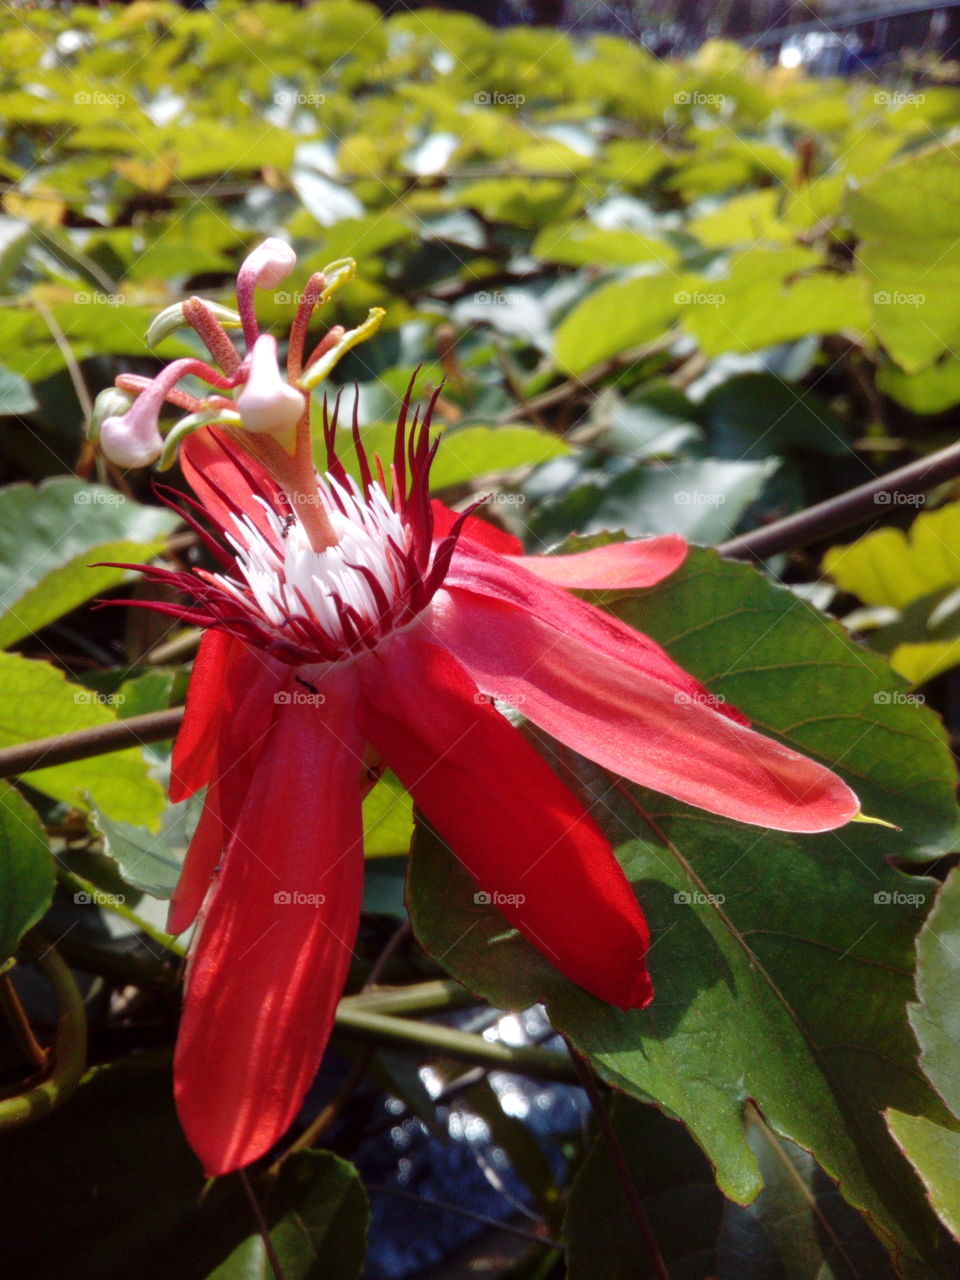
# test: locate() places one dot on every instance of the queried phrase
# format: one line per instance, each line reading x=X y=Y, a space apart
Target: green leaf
x=909 y=253
x=677 y=1190
x=466 y=454
x=617 y=316
x=51 y=535
x=700 y=498
x=770 y=296
x=582 y=244
x=936 y=1017
x=799 y=1225
x=110 y=1182
x=912 y=572
x=469 y=453
x=387 y=819
x=934 y=1151
x=26 y=869
x=766 y=946
x=930 y=391
x=39 y=702
x=890 y=567
x=15 y=394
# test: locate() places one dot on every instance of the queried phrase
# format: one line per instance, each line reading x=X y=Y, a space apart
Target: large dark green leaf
x=767 y=947
x=107 y=1188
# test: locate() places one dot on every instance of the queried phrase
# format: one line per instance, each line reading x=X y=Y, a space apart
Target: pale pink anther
x=134 y=439
x=263 y=268
x=267 y=402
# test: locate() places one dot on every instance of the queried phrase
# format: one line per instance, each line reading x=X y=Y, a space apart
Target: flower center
x=345 y=598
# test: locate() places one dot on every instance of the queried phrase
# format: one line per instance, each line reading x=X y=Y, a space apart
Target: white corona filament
x=289 y=577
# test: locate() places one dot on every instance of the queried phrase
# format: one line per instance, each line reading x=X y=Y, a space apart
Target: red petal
x=622 y=565
x=267 y=973
x=477 y=530
x=477 y=571
x=246 y=713
x=193 y=751
x=506 y=816
x=635 y=723
x=226 y=479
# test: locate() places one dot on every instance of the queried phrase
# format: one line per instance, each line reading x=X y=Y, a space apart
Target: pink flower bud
x=132 y=440
x=267 y=403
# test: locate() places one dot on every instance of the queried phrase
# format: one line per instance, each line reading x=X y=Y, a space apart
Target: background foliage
x=664 y=297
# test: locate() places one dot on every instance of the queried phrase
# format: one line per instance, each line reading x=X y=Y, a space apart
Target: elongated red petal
x=276 y=943
x=622 y=565
x=475 y=570
x=195 y=747
x=635 y=723
x=526 y=839
x=242 y=718
x=477 y=530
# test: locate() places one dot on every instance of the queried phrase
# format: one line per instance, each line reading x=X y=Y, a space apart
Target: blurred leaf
x=614 y=318
x=15 y=394
x=581 y=244
x=51 y=535
x=770 y=296
x=26 y=869
x=930 y=391
x=39 y=702
x=908 y=249
x=469 y=453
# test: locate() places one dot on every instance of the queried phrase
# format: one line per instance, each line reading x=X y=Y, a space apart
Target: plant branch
x=615 y=1152
x=523 y=1060
x=64 y=748
x=70 y=1046
x=853 y=507
x=262 y=1226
